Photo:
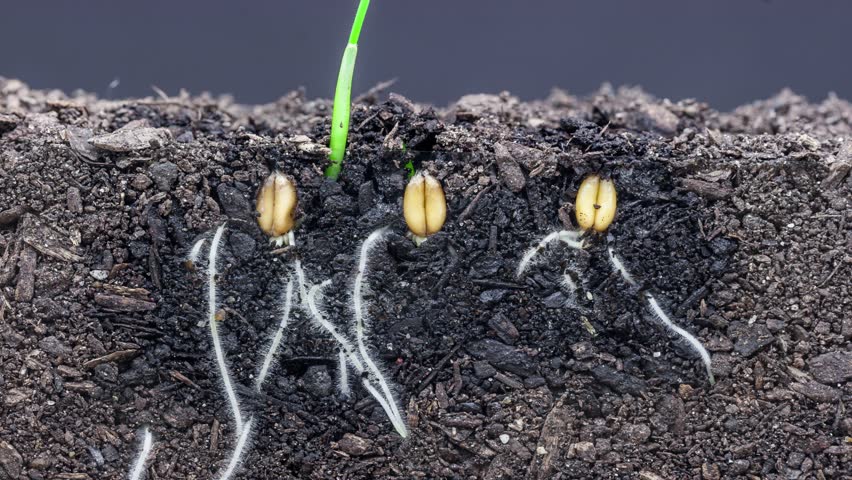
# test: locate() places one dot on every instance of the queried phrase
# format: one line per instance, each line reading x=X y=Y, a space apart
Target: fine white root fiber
x=138 y=470
x=619 y=267
x=195 y=251
x=572 y=239
x=277 y=338
x=353 y=357
x=230 y=393
x=693 y=342
x=343 y=375
x=237 y=454
x=360 y=311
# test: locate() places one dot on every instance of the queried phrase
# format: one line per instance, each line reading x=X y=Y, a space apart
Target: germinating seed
x=596 y=203
x=276 y=206
x=424 y=206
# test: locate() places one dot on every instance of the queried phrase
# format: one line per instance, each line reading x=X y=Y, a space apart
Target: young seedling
x=596 y=203
x=595 y=209
x=138 y=470
x=424 y=207
x=343 y=94
x=276 y=207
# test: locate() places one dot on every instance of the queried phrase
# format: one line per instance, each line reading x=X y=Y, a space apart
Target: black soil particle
x=739 y=223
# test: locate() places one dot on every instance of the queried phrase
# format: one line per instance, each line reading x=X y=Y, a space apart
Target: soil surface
x=740 y=223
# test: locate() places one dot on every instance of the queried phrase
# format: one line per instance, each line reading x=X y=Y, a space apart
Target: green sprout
x=342 y=96
x=409 y=165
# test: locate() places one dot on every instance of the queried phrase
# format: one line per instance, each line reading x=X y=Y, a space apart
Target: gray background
x=725 y=52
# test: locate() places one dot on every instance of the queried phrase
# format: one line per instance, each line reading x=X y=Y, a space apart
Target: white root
x=694 y=342
x=569 y=283
x=619 y=267
x=655 y=308
x=343 y=375
x=138 y=471
x=572 y=239
x=360 y=312
x=241 y=430
x=352 y=356
x=323 y=322
x=214 y=331
x=239 y=449
x=276 y=340
x=195 y=251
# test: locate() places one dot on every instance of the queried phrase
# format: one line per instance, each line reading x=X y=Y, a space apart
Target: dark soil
x=739 y=222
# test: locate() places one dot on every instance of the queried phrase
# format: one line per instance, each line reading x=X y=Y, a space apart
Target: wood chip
x=26 y=275
x=132 y=137
x=123 y=304
x=142 y=293
x=710 y=190
x=82 y=387
x=183 y=379
x=46 y=240
x=114 y=357
x=555 y=431
x=839 y=168
x=9 y=262
x=508 y=381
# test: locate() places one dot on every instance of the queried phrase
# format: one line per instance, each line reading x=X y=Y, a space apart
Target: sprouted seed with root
x=424 y=207
x=595 y=209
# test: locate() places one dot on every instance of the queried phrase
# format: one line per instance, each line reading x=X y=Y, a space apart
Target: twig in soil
x=435 y=370
x=138 y=470
x=375 y=90
x=468 y=211
x=830 y=275
x=276 y=340
x=566 y=236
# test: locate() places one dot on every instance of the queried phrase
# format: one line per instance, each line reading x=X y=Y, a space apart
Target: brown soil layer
x=739 y=222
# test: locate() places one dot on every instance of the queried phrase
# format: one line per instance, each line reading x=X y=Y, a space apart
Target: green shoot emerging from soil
x=342 y=96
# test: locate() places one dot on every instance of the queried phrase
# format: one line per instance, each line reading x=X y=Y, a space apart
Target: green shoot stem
x=359 y=20
x=342 y=96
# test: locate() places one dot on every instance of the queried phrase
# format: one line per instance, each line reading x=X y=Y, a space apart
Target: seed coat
x=276 y=205
x=424 y=205
x=596 y=203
